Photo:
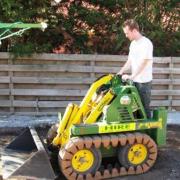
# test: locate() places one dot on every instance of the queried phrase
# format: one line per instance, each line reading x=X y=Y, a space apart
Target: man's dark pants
x=144 y=90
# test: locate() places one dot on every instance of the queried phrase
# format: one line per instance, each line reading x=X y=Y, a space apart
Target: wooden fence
x=46 y=83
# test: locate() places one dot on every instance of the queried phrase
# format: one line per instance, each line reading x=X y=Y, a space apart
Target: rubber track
x=111 y=170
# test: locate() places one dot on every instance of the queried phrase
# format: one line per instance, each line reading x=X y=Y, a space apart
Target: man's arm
x=125 y=67
x=139 y=70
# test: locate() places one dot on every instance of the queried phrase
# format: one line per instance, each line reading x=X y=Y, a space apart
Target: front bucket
x=26 y=157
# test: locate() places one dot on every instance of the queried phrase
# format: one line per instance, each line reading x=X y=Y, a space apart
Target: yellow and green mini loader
x=108 y=135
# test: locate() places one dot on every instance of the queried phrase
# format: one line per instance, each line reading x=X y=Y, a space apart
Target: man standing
x=140 y=60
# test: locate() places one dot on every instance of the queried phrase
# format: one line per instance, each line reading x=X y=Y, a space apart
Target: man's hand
x=126 y=77
x=120 y=73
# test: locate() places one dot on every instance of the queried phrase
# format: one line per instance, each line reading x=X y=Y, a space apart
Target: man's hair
x=132 y=24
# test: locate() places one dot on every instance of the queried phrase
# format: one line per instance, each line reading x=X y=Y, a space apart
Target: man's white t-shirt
x=140 y=50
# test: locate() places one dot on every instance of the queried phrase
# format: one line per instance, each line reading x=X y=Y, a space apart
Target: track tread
x=115 y=172
x=131 y=170
x=107 y=174
x=98 y=175
x=71 y=148
x=73 y=176
x=78 y=142
x=65 y=155
x=130 y=138
x=114 y=140
x=80 y=177
x=138 y=137
x=88 y=142
x=139 y=169
x=122 y=139
x=65 y=164
x=145 y=167
x=123 y=171
x=111 y=170
x=97 y=141
x=67 y=172
x=106 y=141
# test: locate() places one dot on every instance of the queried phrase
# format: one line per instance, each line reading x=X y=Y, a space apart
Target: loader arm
x=87 y=112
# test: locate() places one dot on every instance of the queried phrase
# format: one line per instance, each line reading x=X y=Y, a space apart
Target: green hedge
x=93 y=26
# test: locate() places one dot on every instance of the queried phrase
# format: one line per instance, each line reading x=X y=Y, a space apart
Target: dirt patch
x=167 y=166
x=5 y=139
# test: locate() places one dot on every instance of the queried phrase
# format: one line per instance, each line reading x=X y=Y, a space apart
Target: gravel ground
x=14 y=121
x=167 y=166
x=10 y=121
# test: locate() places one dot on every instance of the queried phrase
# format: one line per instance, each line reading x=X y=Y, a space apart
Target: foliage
x=93 y=26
